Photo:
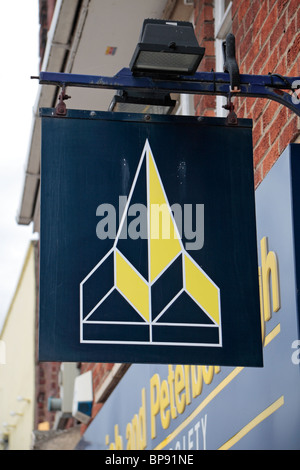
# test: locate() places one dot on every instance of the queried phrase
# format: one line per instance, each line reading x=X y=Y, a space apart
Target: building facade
x=17 y=373
x=78 y=37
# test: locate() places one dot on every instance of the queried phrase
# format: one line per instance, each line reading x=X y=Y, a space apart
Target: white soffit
x=57 y=45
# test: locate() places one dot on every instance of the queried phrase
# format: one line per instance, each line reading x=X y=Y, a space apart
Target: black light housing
x=166 y=48
x=142 y=102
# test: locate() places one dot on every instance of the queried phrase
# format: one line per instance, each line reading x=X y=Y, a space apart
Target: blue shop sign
x=148 y=240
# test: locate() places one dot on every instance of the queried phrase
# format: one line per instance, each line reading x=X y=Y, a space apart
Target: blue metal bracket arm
x=273 y=86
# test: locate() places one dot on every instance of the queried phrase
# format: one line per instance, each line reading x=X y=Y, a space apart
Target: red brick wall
x=46 y=386
x=205 y=31
x=267 y=41
x=267 y=36
x=100 y=371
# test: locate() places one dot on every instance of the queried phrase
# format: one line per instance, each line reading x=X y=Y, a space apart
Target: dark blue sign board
x=148 y=240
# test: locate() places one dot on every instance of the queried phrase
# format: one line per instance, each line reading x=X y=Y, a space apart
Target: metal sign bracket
x=272 y=86
x=284 y=90
x=61 y=109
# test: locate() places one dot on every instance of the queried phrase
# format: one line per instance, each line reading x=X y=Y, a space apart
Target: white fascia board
x=57 y=43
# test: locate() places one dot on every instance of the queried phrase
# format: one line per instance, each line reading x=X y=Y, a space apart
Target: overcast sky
x=19 y=51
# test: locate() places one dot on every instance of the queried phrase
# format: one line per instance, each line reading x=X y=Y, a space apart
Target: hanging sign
x=148 y=240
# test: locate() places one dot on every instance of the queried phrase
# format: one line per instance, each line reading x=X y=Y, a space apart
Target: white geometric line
x=108 y=322
x=188 y=324
x=97 y=266
x=183 y=270
x=202 y=308
x=115 y=267
x=102 y=322
x=213 y=283
x=81 y=310
x=154 y=343
x=130 y=303
x=148 y=234
x=166 y=267
x=130 y=195
x=168 y=305
x=196 y=264
x=132 y=267
x=97 y=305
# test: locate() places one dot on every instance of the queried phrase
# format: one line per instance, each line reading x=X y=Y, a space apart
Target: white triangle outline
x=145 y=154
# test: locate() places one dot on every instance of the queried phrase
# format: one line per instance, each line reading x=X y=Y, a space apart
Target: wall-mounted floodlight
x=167 y=47
x=142 y=102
